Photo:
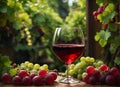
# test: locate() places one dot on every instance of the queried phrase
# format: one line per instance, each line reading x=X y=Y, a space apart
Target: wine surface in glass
x=68 y=53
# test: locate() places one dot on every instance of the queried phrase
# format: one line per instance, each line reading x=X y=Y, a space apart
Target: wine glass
x=68 y=45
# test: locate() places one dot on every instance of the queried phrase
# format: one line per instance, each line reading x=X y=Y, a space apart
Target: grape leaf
x=6 y=61
x=101 y=2
x=97 y=37
x=102 y=42
x=12 y=72
x=113 y=48
x=107 y=35
x=108 y=14
x=5 y=69
x=104 y=34
x=103 y=37
x=110 y=7
x=112 y=27
x=117 y=40
x=106 y=17
x=117 y=60
x=114 y=1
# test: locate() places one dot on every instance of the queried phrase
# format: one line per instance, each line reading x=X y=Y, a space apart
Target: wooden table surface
x=57 y=84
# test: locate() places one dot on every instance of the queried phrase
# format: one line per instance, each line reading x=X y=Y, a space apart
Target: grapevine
x=108 y=37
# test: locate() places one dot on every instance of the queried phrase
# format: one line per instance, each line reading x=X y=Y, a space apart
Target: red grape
x=110 y=80
x=93 y=80
x=37 y=81
x=117 y=79
x=96 y=74
x=6 y=78
x=105 y=26
x=114 y=71
x=32 y=75
x=102 y=79
x=90 y=69
x=100 y=10
x=23 y=73
x=103 y=67
x=95 y=13
x=26 y=81
x=86 y=78
x=42 y=73
x=96 y=19
x=49 y=79
x=16 y=80
x=54 y=74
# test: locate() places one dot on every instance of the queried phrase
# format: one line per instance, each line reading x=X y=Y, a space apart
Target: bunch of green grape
x=32 y=67
x=78 y=70
x=29 y=67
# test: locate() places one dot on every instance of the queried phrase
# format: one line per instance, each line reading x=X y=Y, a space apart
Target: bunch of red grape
x=103 y=75
x=25 y=78
x=99 y=11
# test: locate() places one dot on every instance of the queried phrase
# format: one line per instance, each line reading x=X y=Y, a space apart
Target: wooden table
x=57 y=84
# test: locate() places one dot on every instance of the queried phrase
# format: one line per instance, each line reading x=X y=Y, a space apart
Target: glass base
x=68 y=80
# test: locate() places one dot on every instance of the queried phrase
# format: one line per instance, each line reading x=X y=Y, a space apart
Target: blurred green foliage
x=27 y=26
x=5 y=64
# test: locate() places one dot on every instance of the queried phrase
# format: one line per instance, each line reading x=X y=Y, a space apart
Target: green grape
x=82 y=59
x=30 y=65
x=84 y=74
x=33 y=71
x=80 y=65
x=88 y=59
x=83 y=63
x=71 y=72
x=92 y=60
x=95 y=64
x=22 y=66
x=79 y=76
x=45 y=66
x=36 y=66
x=76 y=68
x=80 y=71
x=71 y=66
x=26 y=63
x=99 y=63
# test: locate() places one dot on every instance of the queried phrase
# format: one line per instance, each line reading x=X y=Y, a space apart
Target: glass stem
x=67 y=74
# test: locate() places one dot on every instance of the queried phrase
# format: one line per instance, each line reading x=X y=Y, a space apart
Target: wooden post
x=92 y=47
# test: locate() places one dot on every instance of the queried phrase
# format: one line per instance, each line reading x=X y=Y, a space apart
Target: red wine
x=68 y=53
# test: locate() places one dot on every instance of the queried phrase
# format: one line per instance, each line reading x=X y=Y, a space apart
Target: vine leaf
x=97 y=37
x=100 y=2
x=102 y=37
x=117 y=60
x=108 y=14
